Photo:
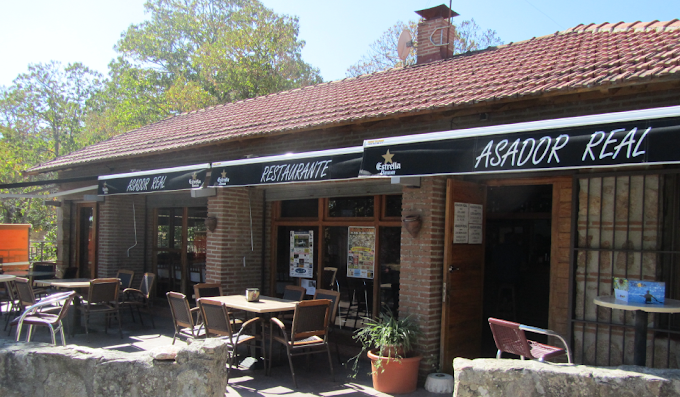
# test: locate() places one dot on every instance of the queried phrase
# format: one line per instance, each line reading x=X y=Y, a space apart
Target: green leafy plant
x=391 y=336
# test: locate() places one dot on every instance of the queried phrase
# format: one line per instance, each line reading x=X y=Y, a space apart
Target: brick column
x=422 y=259
x=230 y=243
x=116 y=236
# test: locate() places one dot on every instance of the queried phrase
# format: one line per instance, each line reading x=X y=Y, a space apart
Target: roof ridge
x=637 y=26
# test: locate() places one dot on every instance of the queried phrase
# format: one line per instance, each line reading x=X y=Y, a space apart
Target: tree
x=42 y=115
x=382 y=53
x=194 y=54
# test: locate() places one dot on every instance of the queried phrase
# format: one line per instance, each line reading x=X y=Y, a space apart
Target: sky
x=337 y=34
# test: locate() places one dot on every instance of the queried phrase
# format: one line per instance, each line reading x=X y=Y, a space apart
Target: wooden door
x=86 y=239
x=463 y=281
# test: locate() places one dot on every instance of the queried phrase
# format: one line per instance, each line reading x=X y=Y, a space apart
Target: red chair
x=510 y=338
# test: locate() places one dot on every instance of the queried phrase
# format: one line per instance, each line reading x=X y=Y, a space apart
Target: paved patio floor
x=249 y=379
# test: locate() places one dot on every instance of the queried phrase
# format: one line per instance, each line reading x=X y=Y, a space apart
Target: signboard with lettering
x=161 y=180
x=297 y=167
x=550 y=144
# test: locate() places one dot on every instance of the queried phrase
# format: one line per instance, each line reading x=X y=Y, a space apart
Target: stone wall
x=491 y=378
x=45 y=370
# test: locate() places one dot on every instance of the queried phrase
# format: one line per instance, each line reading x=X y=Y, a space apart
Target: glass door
x=179 y=248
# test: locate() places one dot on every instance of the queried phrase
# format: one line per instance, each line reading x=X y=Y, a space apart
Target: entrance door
x=464 y=281
x=86 y=237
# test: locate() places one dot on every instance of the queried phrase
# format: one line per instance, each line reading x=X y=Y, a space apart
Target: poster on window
x=302 y=253
x=360 y=252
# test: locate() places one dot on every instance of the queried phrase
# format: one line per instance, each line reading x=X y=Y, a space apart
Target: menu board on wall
x=360 y=252
x=467 y=223
x=302 y=253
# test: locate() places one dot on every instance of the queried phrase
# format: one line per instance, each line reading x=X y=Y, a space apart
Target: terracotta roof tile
x=585 y=56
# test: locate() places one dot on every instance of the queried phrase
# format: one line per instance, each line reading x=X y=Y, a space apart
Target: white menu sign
x=467 y=223
x=461 y=221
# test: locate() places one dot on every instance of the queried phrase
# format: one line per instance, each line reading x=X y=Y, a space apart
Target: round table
x=641 y=310
x=6 y=277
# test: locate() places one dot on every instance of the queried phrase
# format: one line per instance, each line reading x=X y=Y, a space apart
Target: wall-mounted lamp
x=408 y=181
x=93 y=197
x=52 y=203
x=412 y=224
x=211 y=223
x=205 y=192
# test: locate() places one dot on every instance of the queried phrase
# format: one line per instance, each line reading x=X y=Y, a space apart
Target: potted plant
x=389 y=342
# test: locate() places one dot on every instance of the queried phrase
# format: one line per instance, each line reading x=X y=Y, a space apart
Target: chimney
x=435 y=34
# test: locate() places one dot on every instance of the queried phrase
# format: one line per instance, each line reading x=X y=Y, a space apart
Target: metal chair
x=140 y=298
x=308 y=333
x=34 y=316
x=183 y=318
x=125 y=277
x=218 y=321
x=510 y=338
x=102 y=298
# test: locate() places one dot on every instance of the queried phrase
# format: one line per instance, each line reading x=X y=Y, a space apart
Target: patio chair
x=328 y=281
x=70 y=272
x=183 y=317
x=294 y=293
x=102 y=298
x=23 y=298
x=217 y=321
x=334 y=297
x=49 y=267
x=140 y=298
x=308 y=333
x=125 y=277
x=510 y=338
x=34 y=315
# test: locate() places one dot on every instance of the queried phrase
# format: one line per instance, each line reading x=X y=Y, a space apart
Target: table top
x=610 y=301
x=29 y=273
x=65 y=283
x=265 y=304
x=6 y=277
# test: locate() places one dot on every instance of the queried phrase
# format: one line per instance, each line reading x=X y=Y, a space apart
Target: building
x=562 y=145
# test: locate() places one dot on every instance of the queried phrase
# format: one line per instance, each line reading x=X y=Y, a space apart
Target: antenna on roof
x=404 y=45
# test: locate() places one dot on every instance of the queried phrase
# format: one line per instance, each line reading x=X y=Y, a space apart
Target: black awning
x=295 y=167
x=161 y=180
x=613 y=139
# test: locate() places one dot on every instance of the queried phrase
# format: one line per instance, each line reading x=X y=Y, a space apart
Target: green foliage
x=193 y=54
x=42 y=115
x=382 y=54
x=391 y=336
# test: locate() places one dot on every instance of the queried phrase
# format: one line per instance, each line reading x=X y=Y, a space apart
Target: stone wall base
x=511 y=378
x=43 y=370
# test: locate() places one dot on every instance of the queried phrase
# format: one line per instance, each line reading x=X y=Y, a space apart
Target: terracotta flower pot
x=394 y=376
x=412 y=223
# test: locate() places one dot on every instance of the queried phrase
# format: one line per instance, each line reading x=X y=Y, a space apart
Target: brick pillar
x=116 y=236
x=422 y=258
x=230 y=243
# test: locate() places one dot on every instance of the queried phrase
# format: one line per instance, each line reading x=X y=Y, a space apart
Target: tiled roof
x=579 y=58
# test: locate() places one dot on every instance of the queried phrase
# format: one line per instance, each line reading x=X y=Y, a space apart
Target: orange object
x=394 y=376
x=14 y=246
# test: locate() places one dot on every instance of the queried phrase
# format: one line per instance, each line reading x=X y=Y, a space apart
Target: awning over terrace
x=648 y=136
x=160 y=180
x=324 y=165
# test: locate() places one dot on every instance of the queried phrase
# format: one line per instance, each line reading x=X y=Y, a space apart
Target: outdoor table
x=641 y=311
x=4 y=278
x=30 y=274
x=266 y=305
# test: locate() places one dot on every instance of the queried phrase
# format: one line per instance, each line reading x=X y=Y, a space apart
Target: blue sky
x=337 y=33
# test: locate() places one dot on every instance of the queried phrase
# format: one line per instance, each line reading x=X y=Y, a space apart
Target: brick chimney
x=433 y=32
